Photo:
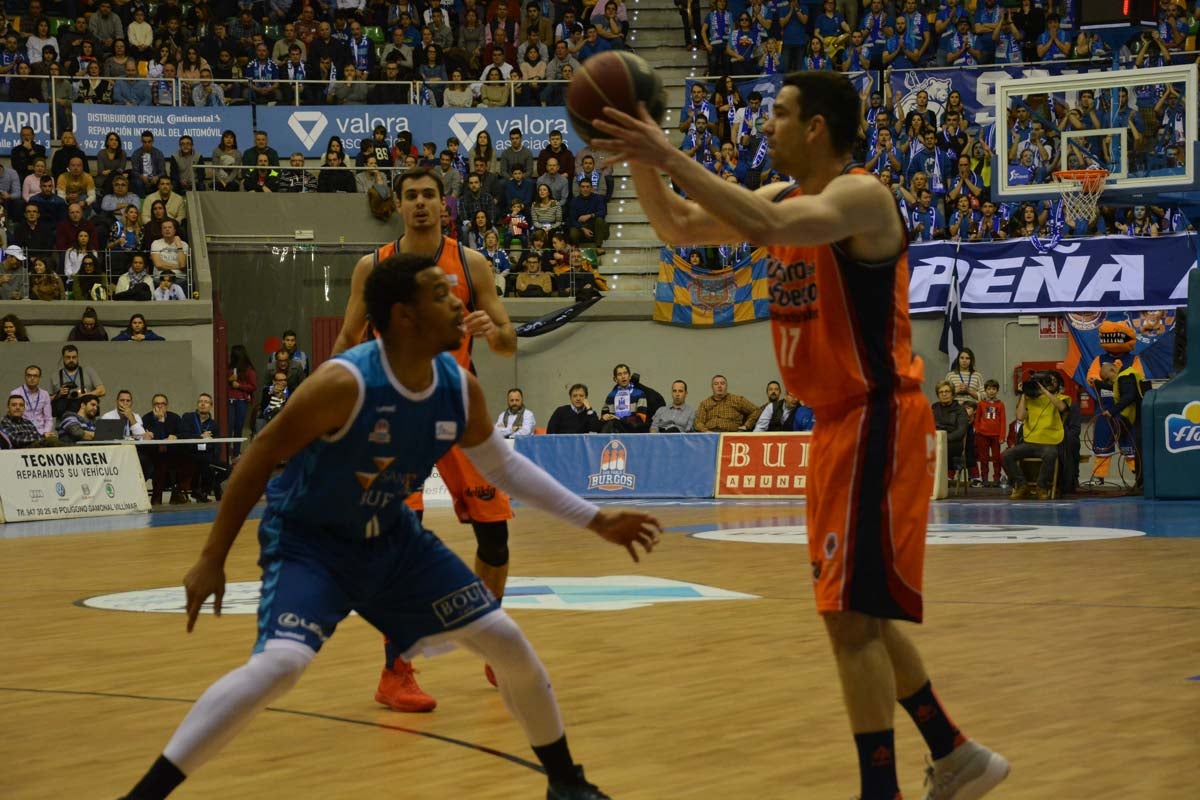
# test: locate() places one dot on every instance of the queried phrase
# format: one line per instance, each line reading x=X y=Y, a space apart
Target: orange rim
x=1090 y=180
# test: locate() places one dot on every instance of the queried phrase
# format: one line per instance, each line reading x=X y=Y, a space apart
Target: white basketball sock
x=522 y=679
x=230 y=703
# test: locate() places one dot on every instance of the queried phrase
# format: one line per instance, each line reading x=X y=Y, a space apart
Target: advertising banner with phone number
x=62 y=482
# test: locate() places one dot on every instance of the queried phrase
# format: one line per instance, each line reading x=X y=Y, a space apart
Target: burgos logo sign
x=466 y=126
x=308 y=126
x=1183 y=430
x=612 y=476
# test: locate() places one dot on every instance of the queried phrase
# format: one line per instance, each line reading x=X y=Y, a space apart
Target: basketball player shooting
x=358 y=435
x=838 y=280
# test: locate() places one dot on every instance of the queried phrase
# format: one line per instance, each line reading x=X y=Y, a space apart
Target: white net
x=1081 y=190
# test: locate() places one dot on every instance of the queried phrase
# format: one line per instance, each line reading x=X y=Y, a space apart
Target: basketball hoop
x=1080 y=190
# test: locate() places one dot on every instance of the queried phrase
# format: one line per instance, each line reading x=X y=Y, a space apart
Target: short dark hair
x=833 y=97
x=144 y=134
x=515 y=389
x=69 y=348
x=680 y=380
x=392 y=281
x=618 y=366
x=416 y=174
x=287 y=333
x=990 y=382
x=204 y=394
x=575 y=386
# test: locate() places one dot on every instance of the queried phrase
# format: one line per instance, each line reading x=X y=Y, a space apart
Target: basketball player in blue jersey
x=359 y=435
x=420 y=200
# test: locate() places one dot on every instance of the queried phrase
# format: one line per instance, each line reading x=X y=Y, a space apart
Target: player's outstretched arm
x=719 y=211
x=354 y=321
x=489 y=319
x=514 y=473
x=321 y=405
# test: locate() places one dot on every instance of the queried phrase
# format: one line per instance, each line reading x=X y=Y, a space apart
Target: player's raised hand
x=205 y=578
x=639 y=139
x=627 y=528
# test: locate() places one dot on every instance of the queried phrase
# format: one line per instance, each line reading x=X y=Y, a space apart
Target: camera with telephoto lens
x=1031 y=388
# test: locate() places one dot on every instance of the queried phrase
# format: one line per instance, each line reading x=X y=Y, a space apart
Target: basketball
x=616 y=79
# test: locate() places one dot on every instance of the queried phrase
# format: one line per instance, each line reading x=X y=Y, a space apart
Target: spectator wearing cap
x=14 y=278
x=586 y=216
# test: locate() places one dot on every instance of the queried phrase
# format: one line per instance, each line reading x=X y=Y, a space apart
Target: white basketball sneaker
x=968 y=773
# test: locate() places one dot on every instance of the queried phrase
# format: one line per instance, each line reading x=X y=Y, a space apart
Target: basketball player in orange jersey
x=419 y=196
x=839 y=306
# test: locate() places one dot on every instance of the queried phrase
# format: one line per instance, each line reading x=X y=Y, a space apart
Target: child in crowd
x=516 y=225
x=969 y=406
x=429 y=156
x=990 y=426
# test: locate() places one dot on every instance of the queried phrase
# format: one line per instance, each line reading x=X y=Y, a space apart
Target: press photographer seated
x=1040 y=408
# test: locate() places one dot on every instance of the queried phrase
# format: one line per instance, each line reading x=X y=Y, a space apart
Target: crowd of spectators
x=540 y=217
x=109 y=225
x=68 y=409
x=631 y=406
x=940 y=166
x=215 y=53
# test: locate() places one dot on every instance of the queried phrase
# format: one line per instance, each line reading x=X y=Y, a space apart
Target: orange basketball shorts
x=475 y=500
x=870 y=476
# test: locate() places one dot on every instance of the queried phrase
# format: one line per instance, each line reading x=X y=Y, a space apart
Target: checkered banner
x=703 y=298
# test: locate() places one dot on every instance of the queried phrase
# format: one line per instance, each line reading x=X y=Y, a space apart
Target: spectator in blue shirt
x=263 y=74
x=927 y=220
x=585 y=217
x=131 y=91
x=793 y=27
x=519 y=187
x=987 y=26
x=830 y=23
x=876 y=26
x=1054 y=44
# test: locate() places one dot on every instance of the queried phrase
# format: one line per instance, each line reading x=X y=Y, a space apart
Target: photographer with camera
x=1040 y=408
x=73 y=381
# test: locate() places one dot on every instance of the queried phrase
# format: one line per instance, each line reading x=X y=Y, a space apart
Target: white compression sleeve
x=230 y=703
x=514 y=473
x=521 y=678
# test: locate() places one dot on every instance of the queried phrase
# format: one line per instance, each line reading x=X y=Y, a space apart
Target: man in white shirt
x=516 y=420
x=37 y=401
x=124 y=410
x=170 y=252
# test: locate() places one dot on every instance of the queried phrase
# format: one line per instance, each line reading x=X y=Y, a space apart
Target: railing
x=111 y=265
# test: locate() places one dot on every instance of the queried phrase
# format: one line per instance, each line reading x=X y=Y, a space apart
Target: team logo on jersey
x=445 y=430
x=1183 y=430
x=365 y=479
x=381 y=433
x=612 y=476
x=831 y=544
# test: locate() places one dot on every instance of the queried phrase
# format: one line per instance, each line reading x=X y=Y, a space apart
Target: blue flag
x=952 y=333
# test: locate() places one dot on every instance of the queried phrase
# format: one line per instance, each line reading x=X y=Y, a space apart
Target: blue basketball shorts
x=406 y=583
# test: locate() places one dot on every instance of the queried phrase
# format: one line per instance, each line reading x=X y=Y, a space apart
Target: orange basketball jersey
x=841 y=327
x=453 y=260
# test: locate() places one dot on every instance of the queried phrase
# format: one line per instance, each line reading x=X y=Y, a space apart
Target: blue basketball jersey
x=352 y=484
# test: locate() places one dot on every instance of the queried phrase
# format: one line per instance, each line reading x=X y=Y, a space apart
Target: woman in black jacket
x=951 y=417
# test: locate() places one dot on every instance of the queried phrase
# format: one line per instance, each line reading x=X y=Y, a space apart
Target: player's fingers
x=217 y=601
x=193 y=609
x=619 y=117
x=632 y=552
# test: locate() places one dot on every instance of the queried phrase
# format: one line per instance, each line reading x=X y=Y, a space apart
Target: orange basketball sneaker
x=399 y=691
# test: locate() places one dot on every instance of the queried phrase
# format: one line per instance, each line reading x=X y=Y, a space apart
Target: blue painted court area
x=1153 y=518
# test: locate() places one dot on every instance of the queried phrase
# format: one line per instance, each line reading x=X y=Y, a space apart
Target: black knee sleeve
x=491 y=542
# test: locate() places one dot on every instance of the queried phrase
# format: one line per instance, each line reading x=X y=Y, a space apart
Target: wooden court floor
x=1073 y=659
